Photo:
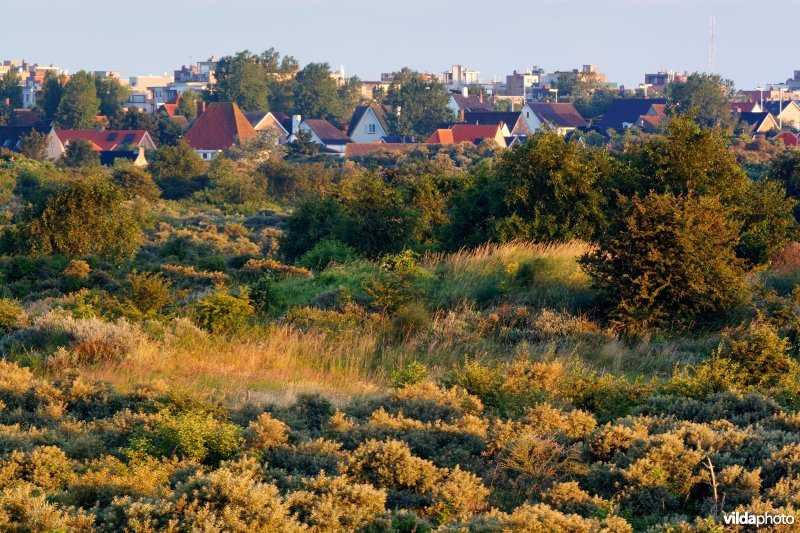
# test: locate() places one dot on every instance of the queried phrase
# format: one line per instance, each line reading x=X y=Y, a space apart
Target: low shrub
x=223 y=313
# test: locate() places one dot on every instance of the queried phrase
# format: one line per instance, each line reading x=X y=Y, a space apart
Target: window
x=371 y=129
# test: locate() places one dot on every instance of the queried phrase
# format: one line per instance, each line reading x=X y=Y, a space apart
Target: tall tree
x=112 y=95
x=188 y=104
x=316 y=94
x=79 y=103
x=50 y=96
x=706 y=96
x=242 y=79
x=421 y=103
x=10 y=96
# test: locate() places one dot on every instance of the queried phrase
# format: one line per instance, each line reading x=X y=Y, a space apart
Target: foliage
x=80 y=153
x=222 y=312
x=423 y=104
x=706 y=96
x=79 y=104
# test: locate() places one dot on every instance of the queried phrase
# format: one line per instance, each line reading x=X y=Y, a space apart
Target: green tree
x=89 y=217
x=667 y=261
x=9 y=91
x=706 y=97
x=188 y=104
x=242 y=79
x=474 y=212
x=556 y=189
x=80 y=153
x=315 y=93
x=112 y=95
x=422 y=104
x=178 y=170
x=52 y=90
x=34 y=145
x=163 y=130
x=79 y=103
x=134 y=182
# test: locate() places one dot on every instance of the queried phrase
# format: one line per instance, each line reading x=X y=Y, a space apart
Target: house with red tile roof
x=218 y=127
x=276 y=123
x=561 y=118
x=653 y=118
x=100 y=140
x=471 y=133
x=788 y=139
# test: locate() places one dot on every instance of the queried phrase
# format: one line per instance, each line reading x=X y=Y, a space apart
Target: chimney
x=461 y=115
x=7 y=102
x=465 y=91
x=201 y=108
x=296 y=120
x=480 y=96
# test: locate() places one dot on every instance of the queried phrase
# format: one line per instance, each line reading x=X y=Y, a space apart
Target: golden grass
x=490 y=255
x=272 y=368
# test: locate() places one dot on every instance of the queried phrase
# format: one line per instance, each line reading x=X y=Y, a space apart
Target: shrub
x=326 y=252
x=335 y=503
x=192 y=434
x=223 y=312
x=411 y=374
x=408 y=320
x=12 y=315
x=266 y=432
x=78 y=268
x=668 y=261
x=134 y=182
x=147 y=294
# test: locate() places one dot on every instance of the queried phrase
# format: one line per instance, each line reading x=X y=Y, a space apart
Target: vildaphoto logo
x=758 y=520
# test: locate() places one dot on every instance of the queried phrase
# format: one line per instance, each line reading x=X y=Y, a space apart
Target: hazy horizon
x=624 y=38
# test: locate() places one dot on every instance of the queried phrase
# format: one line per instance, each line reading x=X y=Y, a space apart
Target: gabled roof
x=327 y=132
x=109 y=157
x=471 y=133
x=471 y=103
x=254 y=117
x=657 y=110
x=11 y=136
x=626 y=111
x=743 y=107
x=219 y=127
x=353 y=150
x=756 y=120
x=775 y=107
x=398 y=139
x=492 y=117
x=106 y=139
x=381 y=111
x=284 y=120
x=170 y=107
x=559 y=115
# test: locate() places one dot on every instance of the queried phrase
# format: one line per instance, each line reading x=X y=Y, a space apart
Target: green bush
x=326 y=252
x=12 y=315
x=222 y=312
x=411 y=374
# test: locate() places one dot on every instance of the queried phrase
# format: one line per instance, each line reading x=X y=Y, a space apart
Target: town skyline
x=572 y=36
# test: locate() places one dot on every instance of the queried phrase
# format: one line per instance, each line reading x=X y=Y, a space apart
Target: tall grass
x=543 y=275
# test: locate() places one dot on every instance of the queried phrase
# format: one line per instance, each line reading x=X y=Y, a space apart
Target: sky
x=754 y=43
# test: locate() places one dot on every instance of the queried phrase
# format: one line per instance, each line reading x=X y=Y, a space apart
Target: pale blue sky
x=756 y=40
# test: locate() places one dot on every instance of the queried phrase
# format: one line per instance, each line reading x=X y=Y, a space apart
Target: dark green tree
x=50 y=96
x=34 y=146
x=79 y=103
x=112 y=95
x=178 y=170
x=10 y=96
x=134 y=182
x=422 y=104
x=80 y=153
x=706 y=96
x=242 y=79
x=315 y=93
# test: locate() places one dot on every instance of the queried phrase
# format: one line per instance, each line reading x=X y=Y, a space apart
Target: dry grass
x=274 y=367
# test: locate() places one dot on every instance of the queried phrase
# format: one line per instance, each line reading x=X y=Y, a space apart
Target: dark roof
x=381 y=111
x=398 y=139
x=284 y=119
x=219 y=127
x=774 y=107
x=10 y=135
x=508 y=118
x=559 y=115
x=25 y=117
x=108 y=157
x=327 y=132
x=754 y=119
x=472 y=103
x=254 y=117
x=626 y=110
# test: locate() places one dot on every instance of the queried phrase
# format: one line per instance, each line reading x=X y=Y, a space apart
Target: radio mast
x=711 y=45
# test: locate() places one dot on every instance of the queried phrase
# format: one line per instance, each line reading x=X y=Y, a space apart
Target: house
x=369 y=123
x=788 y=139
x=746 y=107
x=109 y=157
x=561 y=118
x=651 y=120
x=360 y=150
x=787 y=113
x=332 y=139
x=276 y=123
x=471 y=133
x=101 y=140
x=218 y=127
x=465 y=103
x=759 y=122
x=625 y=112
x=11 y=138
x=514 y=120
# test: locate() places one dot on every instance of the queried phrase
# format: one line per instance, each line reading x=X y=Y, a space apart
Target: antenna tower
x=712 y=44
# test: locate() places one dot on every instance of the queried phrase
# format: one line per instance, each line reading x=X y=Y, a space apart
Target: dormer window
x=371 y=129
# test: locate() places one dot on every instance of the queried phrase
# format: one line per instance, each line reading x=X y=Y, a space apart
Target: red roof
x=471 y=133
x=107 y=139
x=743 y=107
x=219 y=127
x=789 y=139
x=560 y=115
x=327 y=132
x=171 y=105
